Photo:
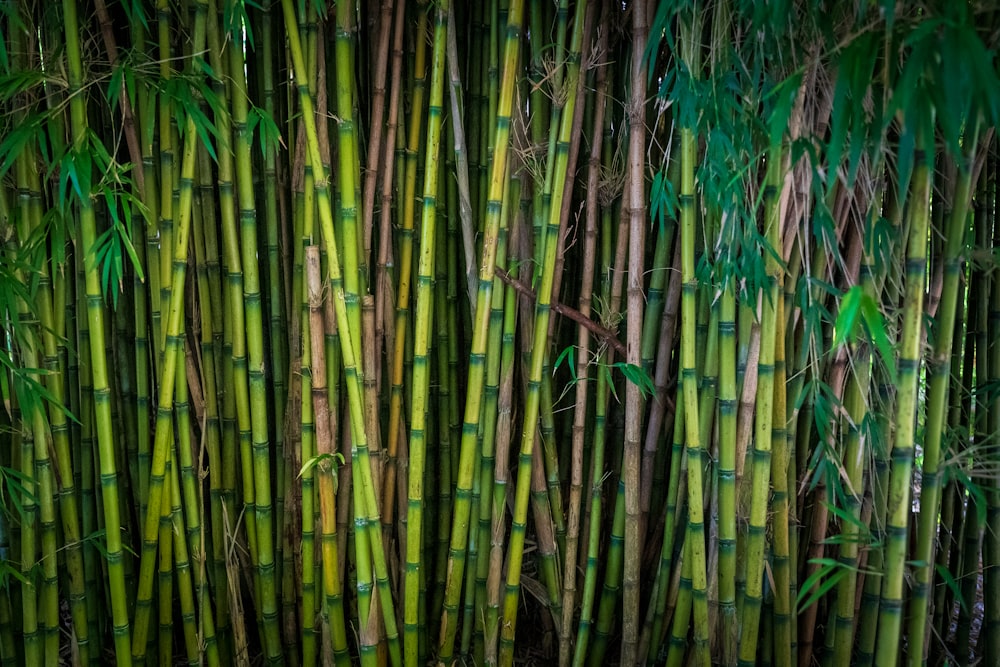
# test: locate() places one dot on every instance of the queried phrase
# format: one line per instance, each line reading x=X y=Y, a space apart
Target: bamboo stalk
x=937 y=399
x=890 y=608
x=95 y=316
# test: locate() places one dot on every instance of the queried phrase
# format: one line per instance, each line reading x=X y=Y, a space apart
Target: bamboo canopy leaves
x=419 y=331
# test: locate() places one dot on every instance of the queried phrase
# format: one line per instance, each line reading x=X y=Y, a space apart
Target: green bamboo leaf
x=102 y=159
x=136 y=12
x=19 y=82
x=133 y=257
x=847 y=319
x=863 y=534
x=824 y=579
x=876 y=329
x=569 y=354
x=203 y=65
x=978 y=500
x=784 y=95
x=658 y=28
x=17 y=140
x=7 y=570
x=98 y=540
x=637 y=376
x=662 y=200
x=610 y=380
x=130 y=85
x=951 y=583
x=267 y=130
x=336 y=457
x=14 y=486
x=115 y=83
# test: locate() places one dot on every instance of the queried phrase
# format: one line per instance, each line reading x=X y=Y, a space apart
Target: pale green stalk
x=898 y=514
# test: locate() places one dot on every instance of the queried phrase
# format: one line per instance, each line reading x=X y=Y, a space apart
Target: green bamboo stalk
x=653 y=344
x=689 y=380
x=614 y=560
x=165 y=575
x=191 y=520
x=366 y=511
x=764 y=424
x=95 y=316
x=185 y=585
x=51 y=328
x=549 y=507
x=780 y=462
x=308 y=602
x=977 y=370
x=675 y=506
x=409 y=188
x=237 y=435
x=682 y=612
x=32 y=627
x=348 y=172
x=939 y=367
x=539 y=349
x=84 y=407
x=879 y=476
x=33 y=424
x=275 y=304
x=255 y=357
x=729 y=629
x=167 y=175
x=172 y=351
x=210 y=307
x=545 y=534
x=421 y=344
x=856 y=405
x=478 y=358
x=951 y=533
x=147 y=253
x=898 y=508
x=491 y=396
x=441 y=419
x=553 y=102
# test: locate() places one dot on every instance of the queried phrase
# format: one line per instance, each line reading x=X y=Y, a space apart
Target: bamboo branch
x=608 y=336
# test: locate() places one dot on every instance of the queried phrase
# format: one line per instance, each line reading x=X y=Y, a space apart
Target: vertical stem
x=95 y=317
x=898 y=508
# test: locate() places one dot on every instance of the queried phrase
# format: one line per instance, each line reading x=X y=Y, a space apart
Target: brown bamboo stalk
x=634 y=403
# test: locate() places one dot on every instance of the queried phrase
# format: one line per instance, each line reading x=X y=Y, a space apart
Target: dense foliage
x=492 y=332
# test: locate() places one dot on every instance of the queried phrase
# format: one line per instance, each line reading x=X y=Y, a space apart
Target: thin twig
x=606 y=335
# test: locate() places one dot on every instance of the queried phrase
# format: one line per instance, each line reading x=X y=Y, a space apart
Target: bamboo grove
x=516 y=331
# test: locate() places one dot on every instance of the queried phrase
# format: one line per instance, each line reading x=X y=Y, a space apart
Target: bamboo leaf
x=847 y=319
x=568 y=354
x=336 y=457
x=8 y=570
x=876 y=329
x=952 y=584
x=820 y=582
x=14 y=486
x=863 y=533
x=637 y=376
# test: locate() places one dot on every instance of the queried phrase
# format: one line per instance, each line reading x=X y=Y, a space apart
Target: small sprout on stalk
x=321 y=458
